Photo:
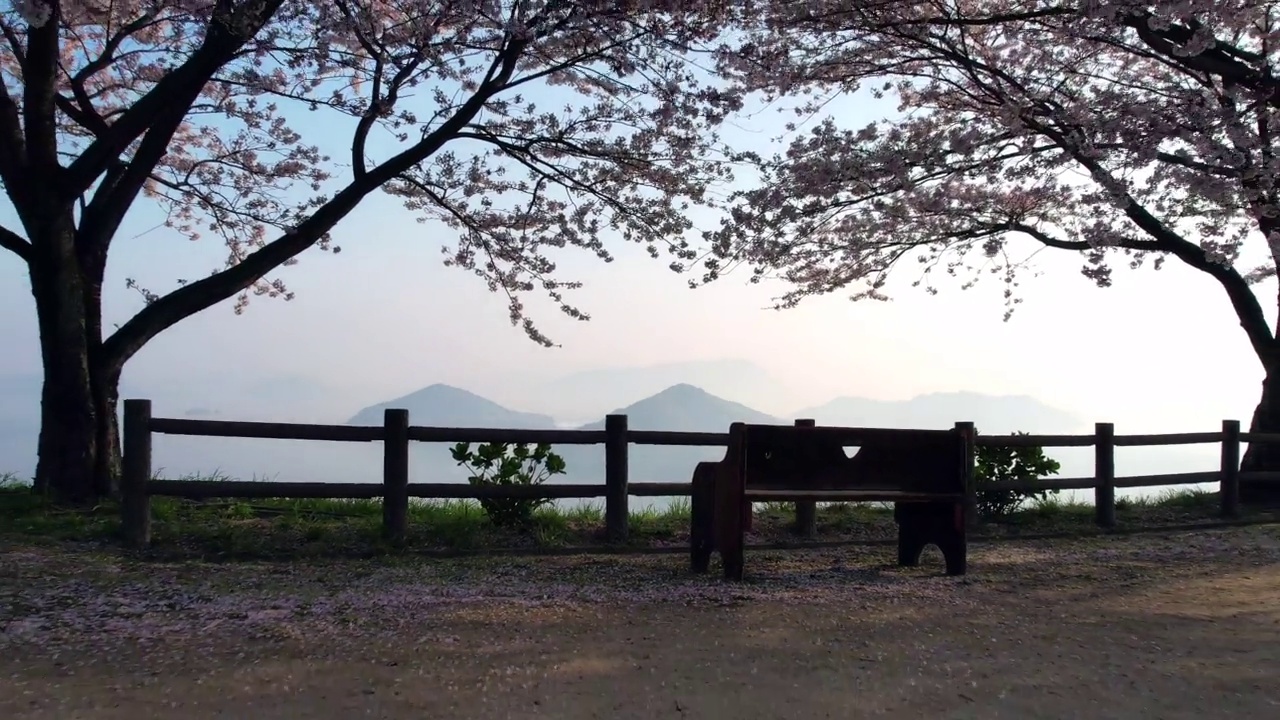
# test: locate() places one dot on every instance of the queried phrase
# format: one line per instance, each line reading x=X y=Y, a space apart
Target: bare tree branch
x=14 y=243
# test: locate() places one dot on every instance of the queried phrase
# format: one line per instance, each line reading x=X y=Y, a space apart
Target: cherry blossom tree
x=188 y=104
x=1121 y=131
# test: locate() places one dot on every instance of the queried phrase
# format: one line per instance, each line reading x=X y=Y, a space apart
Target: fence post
x=970 y=435
x=1104 y=473
x=135 y=472
x=806 y=510
x=395 y=475
x=615 y=478
x=1229 y=490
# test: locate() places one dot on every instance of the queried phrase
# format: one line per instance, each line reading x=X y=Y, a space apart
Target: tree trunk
x=104 y=375
x=79 y=447
x=1264 y=457
x=108 y=460
x=78 y=450
x=63 y=419
x=68 y=447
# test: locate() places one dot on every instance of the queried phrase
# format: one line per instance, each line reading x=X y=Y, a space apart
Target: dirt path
x=1171 y=626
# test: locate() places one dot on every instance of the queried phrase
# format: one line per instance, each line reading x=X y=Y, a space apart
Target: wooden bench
x=922 y=472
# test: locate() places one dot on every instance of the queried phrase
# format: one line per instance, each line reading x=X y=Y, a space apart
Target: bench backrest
x=813 y=458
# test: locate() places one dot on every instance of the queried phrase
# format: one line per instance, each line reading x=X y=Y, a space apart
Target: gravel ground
x=1183 y=625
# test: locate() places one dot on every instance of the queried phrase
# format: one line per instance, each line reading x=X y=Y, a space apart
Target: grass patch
x=287 y=529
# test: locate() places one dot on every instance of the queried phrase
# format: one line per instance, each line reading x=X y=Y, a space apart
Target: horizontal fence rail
x=1034 y=441
x=256 y=490
x=266 y=430
x=485 y=435
x=395 y=490
x=1168 y=439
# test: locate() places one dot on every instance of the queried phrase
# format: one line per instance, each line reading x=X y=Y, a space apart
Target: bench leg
x=734 y=562
x=702 y=523
x=731 y=541
x=910 y=547
x=923 y=524
x=730 y=520
x=956 y=553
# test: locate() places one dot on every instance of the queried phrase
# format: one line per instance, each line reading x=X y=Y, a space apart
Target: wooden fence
x=395 y=490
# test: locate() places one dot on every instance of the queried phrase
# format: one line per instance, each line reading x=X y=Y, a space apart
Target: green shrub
x=1016 y=464
x=509 y=464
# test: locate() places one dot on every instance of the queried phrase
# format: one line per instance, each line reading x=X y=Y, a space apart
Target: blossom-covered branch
x=147 y=88
x=529 y=126
x=1109 y=128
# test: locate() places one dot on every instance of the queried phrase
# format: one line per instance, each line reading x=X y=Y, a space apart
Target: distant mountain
x=991 y=413
x=593 y=393
x=681 y=408
x=686 y=408
x=448 y=406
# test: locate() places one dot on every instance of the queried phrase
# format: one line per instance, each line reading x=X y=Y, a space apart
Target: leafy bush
x=1016 y=464
x=508 y=464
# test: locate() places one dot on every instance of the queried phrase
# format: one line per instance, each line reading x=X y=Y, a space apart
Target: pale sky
x=1160 y=351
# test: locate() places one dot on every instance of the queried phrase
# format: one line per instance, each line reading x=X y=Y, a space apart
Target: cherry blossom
x=527 y=127
x=1123 y=131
